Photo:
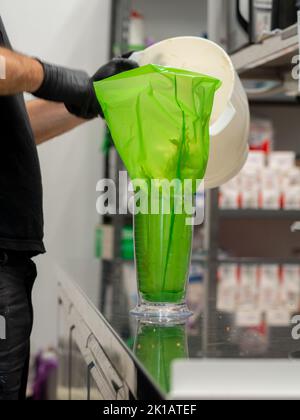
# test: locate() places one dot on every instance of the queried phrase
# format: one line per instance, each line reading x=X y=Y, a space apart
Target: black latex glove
x=75 y=88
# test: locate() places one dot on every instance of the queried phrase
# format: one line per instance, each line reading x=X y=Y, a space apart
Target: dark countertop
x=236 y=317
x=256 y=325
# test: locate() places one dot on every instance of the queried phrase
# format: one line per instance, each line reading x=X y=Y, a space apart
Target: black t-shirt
x=21 y=213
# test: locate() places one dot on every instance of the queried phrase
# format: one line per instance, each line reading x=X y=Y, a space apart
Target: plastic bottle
x=136 y=39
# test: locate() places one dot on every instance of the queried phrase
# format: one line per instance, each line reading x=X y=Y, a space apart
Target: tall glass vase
x=163 y=244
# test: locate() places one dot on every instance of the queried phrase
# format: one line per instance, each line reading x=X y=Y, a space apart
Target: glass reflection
x=157 y=346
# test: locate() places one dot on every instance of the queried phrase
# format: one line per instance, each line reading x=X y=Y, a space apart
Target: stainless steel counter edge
x=101 y=345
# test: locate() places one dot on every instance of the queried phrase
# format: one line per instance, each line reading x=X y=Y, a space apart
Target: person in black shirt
x=67 y=99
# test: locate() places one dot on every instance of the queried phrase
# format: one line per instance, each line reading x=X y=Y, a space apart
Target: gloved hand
x=75 y=88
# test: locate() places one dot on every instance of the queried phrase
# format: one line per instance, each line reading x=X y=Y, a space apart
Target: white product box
x=282 y=161
x=270 y=189
x=233 y=184
x=290 y=287
x=291 y=178
x=256 y=160
x=270 y=199
x=250 y=188
x=269 y=286
x=227 y=288
x=291 y=198
x=269 y=179
x=229 y=199
x=229 y=194
x=248 y=319
x=250 y=178
x=250 y=200
x=278 y=317
x=294 y=176
x=248 y=287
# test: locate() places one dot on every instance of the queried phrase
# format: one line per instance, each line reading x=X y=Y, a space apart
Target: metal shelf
x=248 y=260
x=291 y=215
x=270 y=57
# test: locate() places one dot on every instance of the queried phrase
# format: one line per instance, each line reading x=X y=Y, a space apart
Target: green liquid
x=163 y=248
x=157 y=347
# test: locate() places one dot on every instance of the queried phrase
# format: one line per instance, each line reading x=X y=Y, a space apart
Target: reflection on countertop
x=157 y=345
x=246 y=313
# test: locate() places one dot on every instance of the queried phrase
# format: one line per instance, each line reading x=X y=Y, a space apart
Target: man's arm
x=22 y=74
x=63 y=89
x=54 y=83
x=50 y=119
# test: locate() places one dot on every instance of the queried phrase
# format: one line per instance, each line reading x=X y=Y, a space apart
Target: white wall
x=169 y=18
x=72 y=33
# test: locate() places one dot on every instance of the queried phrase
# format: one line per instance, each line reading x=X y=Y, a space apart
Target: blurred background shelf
x=269 y=58
x=249 y=236
x=202 y=259
x=292 y=215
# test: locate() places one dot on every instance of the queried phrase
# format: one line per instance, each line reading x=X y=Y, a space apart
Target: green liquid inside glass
x=163 y=245
x=157 y=347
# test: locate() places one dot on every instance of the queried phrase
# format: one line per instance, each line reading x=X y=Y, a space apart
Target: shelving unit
x=269 y=58
x=272 y=59
x=111 y=290
x=249 y=261
x=260 y=214
x=215 y=217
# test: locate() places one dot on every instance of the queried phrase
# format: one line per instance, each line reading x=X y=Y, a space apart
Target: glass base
x=162 y=312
